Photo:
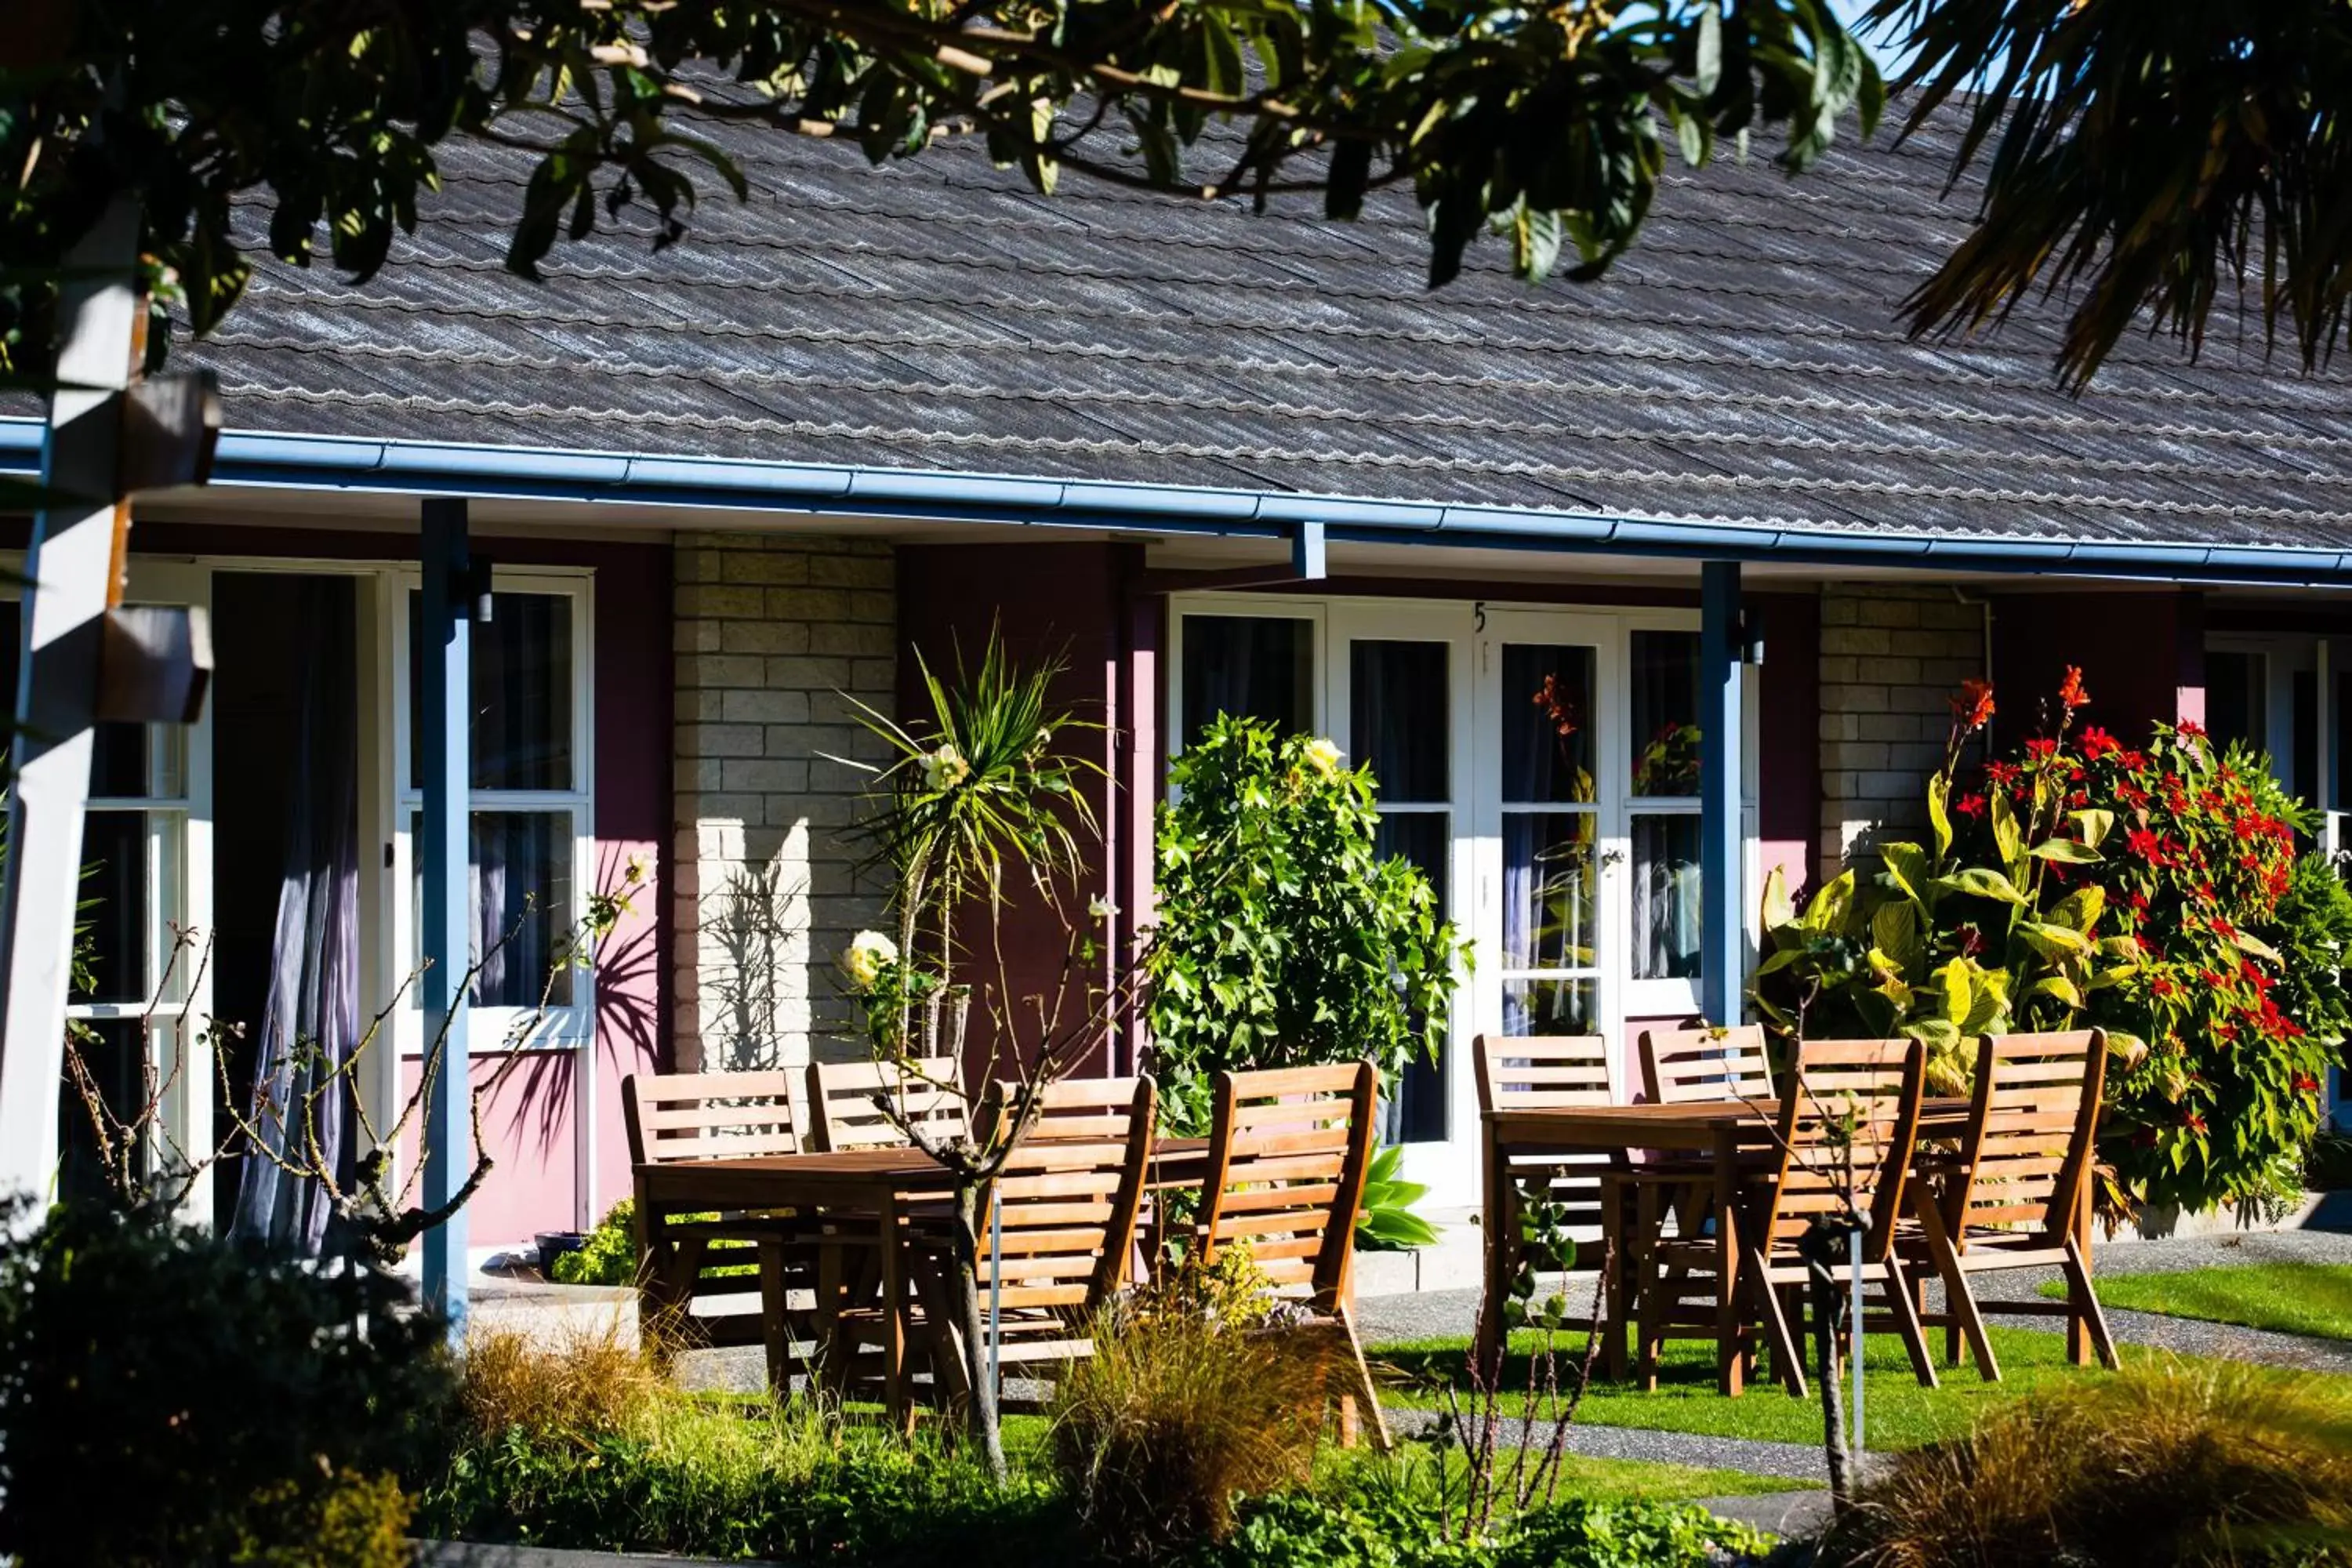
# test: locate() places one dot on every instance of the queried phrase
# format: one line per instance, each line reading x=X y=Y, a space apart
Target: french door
x=1539 y=766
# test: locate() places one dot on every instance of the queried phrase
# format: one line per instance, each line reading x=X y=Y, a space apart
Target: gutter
x=325 y=464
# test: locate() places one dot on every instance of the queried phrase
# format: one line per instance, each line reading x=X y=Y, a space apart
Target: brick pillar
x=1891 y=660
x=772 y=631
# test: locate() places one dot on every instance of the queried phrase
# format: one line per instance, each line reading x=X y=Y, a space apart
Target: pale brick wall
x=1892 y=658
x=770 y=631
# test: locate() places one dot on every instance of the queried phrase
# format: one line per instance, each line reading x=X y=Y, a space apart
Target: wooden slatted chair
x=1064 y=1227
x=925 y=1090
x=1688 y=1067
x=682 y=1261
x=1874 y=1087
x=1288 y=1150
x=2012 y=1195
x=1558 y=1072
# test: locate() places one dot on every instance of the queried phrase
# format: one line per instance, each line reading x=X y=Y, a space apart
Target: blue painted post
x=444 y=757
x=1723 y=890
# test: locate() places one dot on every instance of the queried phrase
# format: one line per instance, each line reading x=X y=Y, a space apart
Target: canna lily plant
x=1986 y=932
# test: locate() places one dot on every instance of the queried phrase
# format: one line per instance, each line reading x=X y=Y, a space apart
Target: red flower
x=2162 y=985
x=2305 y=1084
x=2191 y=728
x=2097 y=743
x=2142 y=845
x=2040 y=747
x=2069 y=690
x=1972 y=709
x=1972 y=942
x=2194 y=1122
x=2001 y=774
x=1970 y=805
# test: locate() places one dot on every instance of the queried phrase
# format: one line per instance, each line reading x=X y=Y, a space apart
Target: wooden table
x=858 y=1198
x=1720 y=1129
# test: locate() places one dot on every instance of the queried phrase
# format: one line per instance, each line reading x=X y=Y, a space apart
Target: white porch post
x=71 y=571
x=445 y=915
x=1723 y=960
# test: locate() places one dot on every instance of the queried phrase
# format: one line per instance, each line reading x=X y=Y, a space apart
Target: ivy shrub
x=1283 y=937
x=2153 y=890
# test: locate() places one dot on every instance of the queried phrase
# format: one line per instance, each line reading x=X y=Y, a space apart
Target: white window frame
x=1474 y=901
x=571 y=1027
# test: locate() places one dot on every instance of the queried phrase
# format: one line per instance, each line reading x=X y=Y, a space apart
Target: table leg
x=894 y=1315
x=1730 y=1363
x=1501 y=1231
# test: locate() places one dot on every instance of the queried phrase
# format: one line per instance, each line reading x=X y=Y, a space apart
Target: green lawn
x=1899 y=1415
x=2312 y=1298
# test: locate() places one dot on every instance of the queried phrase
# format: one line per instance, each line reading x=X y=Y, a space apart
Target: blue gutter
x=322 y=463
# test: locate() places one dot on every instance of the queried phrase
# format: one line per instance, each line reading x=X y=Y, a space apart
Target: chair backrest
x=1078 y=1106
x=707 y=1116
x=1066 y=1206
x=2032 y=1126
x=1543 y=1072
x=1287 y=1152
x=1684 y=1066
x=922 y=1090
x=1546 y=1073
x=1850 y=1119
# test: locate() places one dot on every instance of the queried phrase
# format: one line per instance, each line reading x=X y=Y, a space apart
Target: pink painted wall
x=531 y=1124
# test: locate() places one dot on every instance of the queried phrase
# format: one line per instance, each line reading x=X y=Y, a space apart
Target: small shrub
x=1385 y=1528
x=170 y=1397
x=356 y=1522
x=587 y=1383
x=609 y=1257
x=1186 y=1403
x=2175 y=1465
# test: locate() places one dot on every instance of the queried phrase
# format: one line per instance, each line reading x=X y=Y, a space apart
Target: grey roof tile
x=1744 y=361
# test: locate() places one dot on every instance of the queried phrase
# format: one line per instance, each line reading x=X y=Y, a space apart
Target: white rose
x=869 y=953
x=1323 y=756
x=945 y=768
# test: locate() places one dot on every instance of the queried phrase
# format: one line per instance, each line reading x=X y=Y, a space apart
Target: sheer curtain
x=310 y=1024
x=1253 y=667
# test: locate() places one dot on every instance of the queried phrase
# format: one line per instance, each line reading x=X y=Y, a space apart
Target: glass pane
x=1416 y=1113
x=114 y=881
x=2233 y=698
x=1665 y=898
x=2340 y=791
x=1550 y=1007
x=1548 y=890
x=522 y=886
x=1253 y=667
x=1547 y=715
x=1397 y=694
x=1666 y=713
x=522 y=684
x=114 y=1050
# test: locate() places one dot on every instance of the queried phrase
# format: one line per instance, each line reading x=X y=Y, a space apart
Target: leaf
x=2056 y=986
x=1707 y=52
x=1827 y=914
x=2066 y=851
x=1780 y=908
x=1895 y=929
x=2080 y=909
x=2095 y=824
x=1989 y=1009
x=2006 y=837
x=1909 y=867
x=2254 y=946
x=2054 y=941
x=1939 y=787
x=1779 y=960
x=1981 y=883
x=1934 y=1031
x=1957 y=989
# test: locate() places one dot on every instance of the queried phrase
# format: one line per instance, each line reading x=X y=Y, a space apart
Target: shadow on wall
x=748 y=932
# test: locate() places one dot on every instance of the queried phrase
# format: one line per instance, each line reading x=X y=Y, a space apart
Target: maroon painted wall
x=1055 y=601
x=2142 y=655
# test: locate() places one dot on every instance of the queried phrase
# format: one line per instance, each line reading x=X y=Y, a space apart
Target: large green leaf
x=2054 y=941
x=1832 y=907
x=1908 y=867
x=1956 y=990
x=2007 y=837
x=1981 y=883
x=2096 y=824
x=1895 y=929
x=1939 y=815
x=1779 y=905
x=2065 y=851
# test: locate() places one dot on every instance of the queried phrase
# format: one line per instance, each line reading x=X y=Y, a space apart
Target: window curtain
x=1251 y=667
x=310 y=1024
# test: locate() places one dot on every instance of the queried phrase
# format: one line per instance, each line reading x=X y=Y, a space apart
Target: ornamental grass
x=2173 y=1465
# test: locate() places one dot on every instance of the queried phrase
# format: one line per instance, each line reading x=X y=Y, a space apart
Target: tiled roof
x=1743 y=361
